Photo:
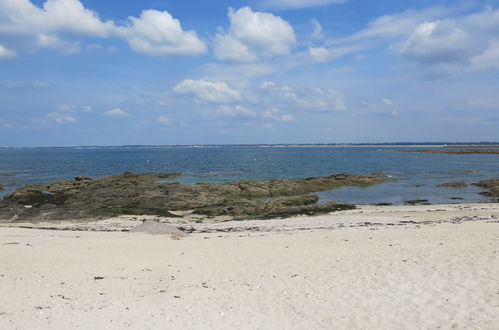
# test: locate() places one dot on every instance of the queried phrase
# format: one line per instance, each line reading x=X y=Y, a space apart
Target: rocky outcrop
x=459 y=184
x=132 y=193
x=2 y=187
x=492 y=185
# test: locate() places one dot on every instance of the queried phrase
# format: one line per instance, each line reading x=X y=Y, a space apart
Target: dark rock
x=82 y=178
x=137 y=194
x=416 y=201
x=492 y=185
x=2 y=187
x=453 y=184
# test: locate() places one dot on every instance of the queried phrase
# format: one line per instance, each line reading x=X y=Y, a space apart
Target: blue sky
x=94 y=72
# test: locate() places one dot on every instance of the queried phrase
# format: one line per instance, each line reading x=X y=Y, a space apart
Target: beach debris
x=96 y=278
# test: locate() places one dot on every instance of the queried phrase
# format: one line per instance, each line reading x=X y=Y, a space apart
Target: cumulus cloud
x=25 y=25
x=384 y=106
x=236 y=111
x=268 y=101
x=388 y=27
x=61 y=118
x=384 y=30
x=6 y=54
x=443 y=39
x=66 y=107
x=217 y=92
x=274 y=115
x=319 y=54
x=163 y=119
x=438 y=41
x=253 y=35
x=60 y=24
x=465 y=43
x=157 y=33
x=295 y=4
x=116 y=112
x=315 y=99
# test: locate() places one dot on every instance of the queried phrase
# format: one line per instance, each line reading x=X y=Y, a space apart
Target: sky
x=169 y=72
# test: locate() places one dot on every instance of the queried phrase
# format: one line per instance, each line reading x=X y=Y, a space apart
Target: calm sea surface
x=415 y=175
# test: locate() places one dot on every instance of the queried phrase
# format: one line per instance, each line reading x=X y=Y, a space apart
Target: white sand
x=405 y=276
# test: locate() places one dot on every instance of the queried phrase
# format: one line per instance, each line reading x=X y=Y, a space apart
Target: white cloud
x=87 y=108
x=438 y=41
x=28 y=26
x=325 y=54
x=397 y=25
x=217 y=92
x=157 y=33
x=319 y=54
x=6 y=54
x=116 y=112
x=67 y=15
x=163 y=119
x=61 y=118
x=317 y=33
x=296 y=4
x=384 y=30
x=489 y=59
x=66 y=107
x=236 y=111
x=274 y=115
x=460 y=44
x=253 y=35
x=444 y=40
x=387 y=102
x=314 y=99
x=384 y=106
x=60 y=24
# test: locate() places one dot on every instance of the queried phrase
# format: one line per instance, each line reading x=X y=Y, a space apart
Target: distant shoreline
x=283 y=145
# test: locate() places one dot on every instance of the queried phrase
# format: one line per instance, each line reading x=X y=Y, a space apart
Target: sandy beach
x=389 y=267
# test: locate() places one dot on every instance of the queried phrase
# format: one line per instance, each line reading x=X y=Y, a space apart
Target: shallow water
x=415 y=175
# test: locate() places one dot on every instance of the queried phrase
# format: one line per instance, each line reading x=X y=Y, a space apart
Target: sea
x=412 y=175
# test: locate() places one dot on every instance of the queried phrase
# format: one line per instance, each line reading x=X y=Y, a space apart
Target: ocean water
x=412 y=175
